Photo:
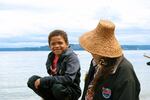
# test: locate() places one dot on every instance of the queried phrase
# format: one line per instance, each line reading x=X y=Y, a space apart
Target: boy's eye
x=52 y=43
x=55 y=43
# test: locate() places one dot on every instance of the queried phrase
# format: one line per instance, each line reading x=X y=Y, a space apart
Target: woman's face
x=96 y=58
x=58 y=45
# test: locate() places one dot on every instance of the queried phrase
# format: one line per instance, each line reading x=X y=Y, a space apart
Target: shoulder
x=51 y=54
x=125 y=66
x=70 y=54
x=125 y=71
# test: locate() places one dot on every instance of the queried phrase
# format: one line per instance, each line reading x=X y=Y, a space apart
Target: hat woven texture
x=102 y=40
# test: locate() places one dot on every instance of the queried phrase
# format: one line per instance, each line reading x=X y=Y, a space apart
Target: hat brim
x=106 y=46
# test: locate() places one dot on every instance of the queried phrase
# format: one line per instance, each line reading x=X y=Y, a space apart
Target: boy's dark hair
x=58 y=33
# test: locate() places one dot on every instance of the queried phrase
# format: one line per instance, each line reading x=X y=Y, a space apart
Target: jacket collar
x=117 y=64
x=67 y=52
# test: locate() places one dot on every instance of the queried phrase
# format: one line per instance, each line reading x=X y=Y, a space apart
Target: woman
x=111 y=76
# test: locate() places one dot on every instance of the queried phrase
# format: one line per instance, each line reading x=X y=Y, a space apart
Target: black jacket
x=122 y=85
x=68 y=71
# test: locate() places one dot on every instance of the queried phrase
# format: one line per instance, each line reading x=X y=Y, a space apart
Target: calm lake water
x=17 y=67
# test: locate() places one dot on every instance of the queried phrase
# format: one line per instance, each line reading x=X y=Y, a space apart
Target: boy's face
x=58 y=45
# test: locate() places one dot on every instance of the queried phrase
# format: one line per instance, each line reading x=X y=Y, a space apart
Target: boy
x=64 y=70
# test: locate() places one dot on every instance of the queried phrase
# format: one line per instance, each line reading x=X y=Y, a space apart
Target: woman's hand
x=37 y=83
x=89 y=95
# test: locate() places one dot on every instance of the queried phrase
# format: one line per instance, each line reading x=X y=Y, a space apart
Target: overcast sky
x=27 y=23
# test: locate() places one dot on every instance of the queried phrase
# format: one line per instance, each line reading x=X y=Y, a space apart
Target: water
x=17 y=67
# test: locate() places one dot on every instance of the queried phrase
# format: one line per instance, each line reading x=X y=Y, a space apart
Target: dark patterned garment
x=121 y=85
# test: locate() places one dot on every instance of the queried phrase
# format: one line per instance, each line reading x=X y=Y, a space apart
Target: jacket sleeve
x=72 y=67
x=87 y=80
x=48 y=63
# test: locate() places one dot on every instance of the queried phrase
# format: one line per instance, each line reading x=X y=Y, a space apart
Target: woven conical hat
x=102 y=40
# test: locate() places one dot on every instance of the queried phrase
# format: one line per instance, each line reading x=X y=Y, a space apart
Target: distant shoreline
x=74 y=47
